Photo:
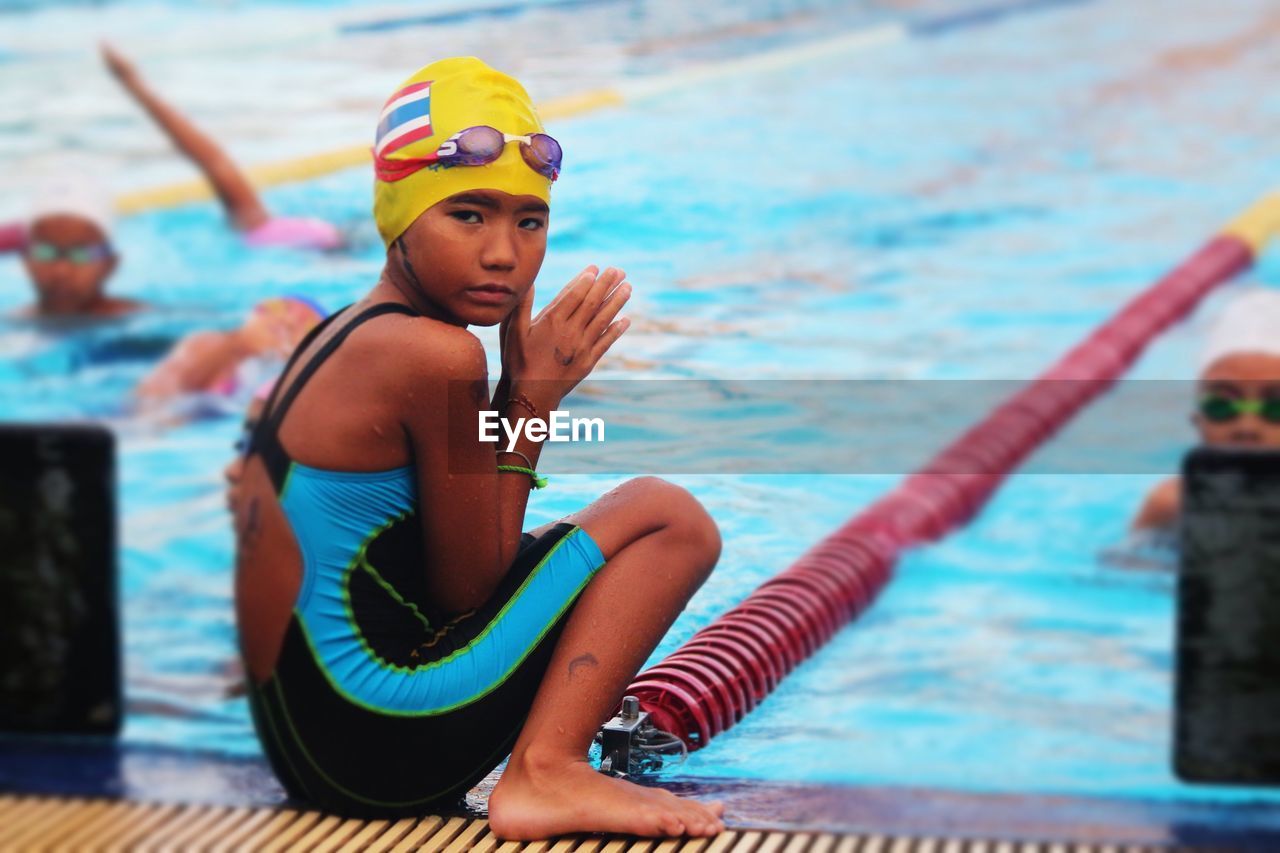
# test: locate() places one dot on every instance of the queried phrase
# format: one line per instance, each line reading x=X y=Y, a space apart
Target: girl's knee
x=683 y=516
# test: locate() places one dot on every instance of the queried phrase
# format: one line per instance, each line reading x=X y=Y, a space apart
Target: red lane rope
x=728 y=667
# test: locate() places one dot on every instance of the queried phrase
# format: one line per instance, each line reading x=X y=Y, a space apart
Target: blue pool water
x=951 y=208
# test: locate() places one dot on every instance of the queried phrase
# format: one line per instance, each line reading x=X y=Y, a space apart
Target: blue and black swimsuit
x=380 y=704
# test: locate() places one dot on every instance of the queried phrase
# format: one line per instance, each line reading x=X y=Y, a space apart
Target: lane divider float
x=727 y=668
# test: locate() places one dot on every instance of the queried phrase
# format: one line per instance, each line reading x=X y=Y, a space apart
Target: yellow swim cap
x=439 y=100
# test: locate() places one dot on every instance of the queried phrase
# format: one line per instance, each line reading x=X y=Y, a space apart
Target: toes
x=697 y=819
x=715 y=824
x=701 y=829
x=671 y=825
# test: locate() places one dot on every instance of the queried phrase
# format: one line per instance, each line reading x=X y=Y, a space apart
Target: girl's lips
x=490 y=294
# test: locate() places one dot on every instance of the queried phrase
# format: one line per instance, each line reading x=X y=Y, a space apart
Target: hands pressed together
x=546 y=356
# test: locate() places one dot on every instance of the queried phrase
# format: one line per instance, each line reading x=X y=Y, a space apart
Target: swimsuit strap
x=258 y=440
x=266 y=439
x=274 y=415
x=306 y=341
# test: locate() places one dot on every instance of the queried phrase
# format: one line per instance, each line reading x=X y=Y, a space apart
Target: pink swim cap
x=295 y=233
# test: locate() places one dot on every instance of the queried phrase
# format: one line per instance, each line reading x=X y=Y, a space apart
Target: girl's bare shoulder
x=418 y=348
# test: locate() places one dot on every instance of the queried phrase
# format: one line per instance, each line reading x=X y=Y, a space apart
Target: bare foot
x=541 y=799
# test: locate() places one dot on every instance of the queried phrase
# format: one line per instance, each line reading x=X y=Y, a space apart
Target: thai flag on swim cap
x=406 y=118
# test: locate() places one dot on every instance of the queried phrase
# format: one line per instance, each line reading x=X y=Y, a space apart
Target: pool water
x=953 y=208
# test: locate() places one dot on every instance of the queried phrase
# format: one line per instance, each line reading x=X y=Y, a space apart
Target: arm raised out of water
x=233 y=188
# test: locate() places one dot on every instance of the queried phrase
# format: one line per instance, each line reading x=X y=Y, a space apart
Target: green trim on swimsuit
x=265 y=707
x=421 y=668
x=315 y=765
x=361 y=559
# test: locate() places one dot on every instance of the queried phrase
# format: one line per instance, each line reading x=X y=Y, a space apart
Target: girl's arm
x=237 y=195
x=472 y=515
x=194 y=364
x=1162 y=506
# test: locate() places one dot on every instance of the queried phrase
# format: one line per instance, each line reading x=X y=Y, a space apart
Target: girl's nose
x=499 y=250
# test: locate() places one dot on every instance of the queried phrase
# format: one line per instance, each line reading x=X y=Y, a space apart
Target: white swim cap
x=73 y=194
x=1250 y=322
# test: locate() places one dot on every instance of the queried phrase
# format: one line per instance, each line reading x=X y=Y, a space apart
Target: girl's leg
x=660 y=545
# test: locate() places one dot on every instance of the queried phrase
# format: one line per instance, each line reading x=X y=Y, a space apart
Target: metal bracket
x=631 y=745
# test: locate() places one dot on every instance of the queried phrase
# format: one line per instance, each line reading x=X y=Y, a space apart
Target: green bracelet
x=538 y=482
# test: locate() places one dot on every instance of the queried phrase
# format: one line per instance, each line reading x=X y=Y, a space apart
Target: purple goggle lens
x=482 y=144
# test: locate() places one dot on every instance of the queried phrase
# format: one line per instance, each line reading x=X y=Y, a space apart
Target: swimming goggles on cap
x=1221 y=410
x=478 y=146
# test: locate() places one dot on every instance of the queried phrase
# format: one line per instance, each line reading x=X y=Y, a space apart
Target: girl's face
x=65 y=282
x=475 y=254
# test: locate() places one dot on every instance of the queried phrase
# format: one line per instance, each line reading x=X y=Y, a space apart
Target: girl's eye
x=532 y=224
x=470 y=217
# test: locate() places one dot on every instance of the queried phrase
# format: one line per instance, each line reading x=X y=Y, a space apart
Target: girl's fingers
x=606 y=340
x=571 y=294
x=575 y=295
x=612 y=305
x=596 y=294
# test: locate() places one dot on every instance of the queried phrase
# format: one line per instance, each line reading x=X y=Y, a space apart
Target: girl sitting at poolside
x=401 y=635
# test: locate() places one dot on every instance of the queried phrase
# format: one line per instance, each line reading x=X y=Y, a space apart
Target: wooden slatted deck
x=60 y=824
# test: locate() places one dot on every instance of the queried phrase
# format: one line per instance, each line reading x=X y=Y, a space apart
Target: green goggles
x=46 y=253
x=1221 y=410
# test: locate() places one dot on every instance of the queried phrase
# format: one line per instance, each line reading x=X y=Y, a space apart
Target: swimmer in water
x=68 y=253
x=244 y=208
x=400 y=633
x=215 y=362
x=1238 y=393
